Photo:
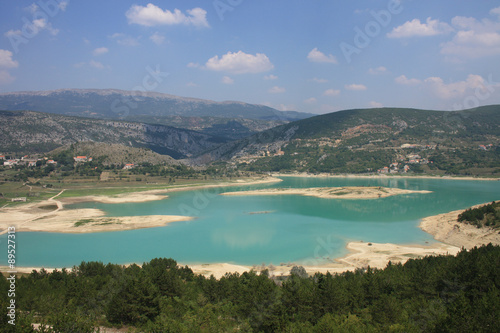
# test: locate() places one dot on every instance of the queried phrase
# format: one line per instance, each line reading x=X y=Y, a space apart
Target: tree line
x=433 y=294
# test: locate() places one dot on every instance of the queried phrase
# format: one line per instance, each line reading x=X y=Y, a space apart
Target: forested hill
x=363 y=140
x=434 y=294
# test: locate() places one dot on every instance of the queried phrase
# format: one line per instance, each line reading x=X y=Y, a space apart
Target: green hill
x=366 y=140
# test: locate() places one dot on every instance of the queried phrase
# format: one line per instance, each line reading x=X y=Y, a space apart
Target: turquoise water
x=298 y=229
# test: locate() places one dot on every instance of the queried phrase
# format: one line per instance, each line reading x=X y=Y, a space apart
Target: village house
x=128 y=166
x=10 y=163
x=82 y=159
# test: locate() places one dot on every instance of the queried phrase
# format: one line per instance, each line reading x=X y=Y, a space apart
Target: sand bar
x=351 y=192
x=51 y=216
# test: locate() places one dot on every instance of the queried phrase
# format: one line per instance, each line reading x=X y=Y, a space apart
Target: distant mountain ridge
x=115 y=103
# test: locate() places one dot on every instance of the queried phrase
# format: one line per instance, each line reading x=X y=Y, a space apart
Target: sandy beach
x=351 y=192
x=362 y=255
x=446 y=229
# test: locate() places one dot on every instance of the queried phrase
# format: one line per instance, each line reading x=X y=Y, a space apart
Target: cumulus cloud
x=374 y=104
x=317 y=56
x=355 y=87
x=406 y=81
x=96 y=64
x=331 y=92
x=240 y=63
x=5 y=77
x=276 y=90
x=378 y=70
x=455 y=89
x=473 y=85
x=157 y=38
x=227 y=80
x=474 y=38
x=311 y=100
x=100 y=50
x=6 y=60
x=125 y=40
x=415 y=28
x=152 y=15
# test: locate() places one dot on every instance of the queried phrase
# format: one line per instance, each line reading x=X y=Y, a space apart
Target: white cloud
x=472 y=86
x=276 y=90
x=157 y=38
x=227 y=80
x=406 y=81
x=193 y=65
x=152 y=15
x=317 y=56
x=63 y=5
x=311 y=100
x=280 y=107
x=240 y=63
x=374 y=104
x=456 y=89
x=191 y=84
x=474 y=39
x=415 y=28
x=125 y=40
x=100 y=50
x=378 y=70
x=6 y=59
x=270 y=77
x=317 y=80
x=495 y=11
x=331 y=92
x=5 y=77
x=355 y=87
x=96 y=64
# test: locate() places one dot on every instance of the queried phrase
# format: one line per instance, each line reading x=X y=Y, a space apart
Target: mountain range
x=350 y=141
x=231 y=119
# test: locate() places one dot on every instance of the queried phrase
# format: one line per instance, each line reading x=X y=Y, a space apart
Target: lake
x=251 y=230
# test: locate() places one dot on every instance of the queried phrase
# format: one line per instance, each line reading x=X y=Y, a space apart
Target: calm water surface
x=258 y=229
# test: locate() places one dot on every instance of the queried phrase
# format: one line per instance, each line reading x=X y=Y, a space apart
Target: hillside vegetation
x=359 y=141
x=434 y=294
x=485 y=216
x=28 y=131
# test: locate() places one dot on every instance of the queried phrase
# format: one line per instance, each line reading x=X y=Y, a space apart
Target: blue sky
x=313 y=56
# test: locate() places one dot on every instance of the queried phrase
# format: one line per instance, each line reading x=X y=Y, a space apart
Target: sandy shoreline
x=446 y=229
x=350 y=192
x=50 y=215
